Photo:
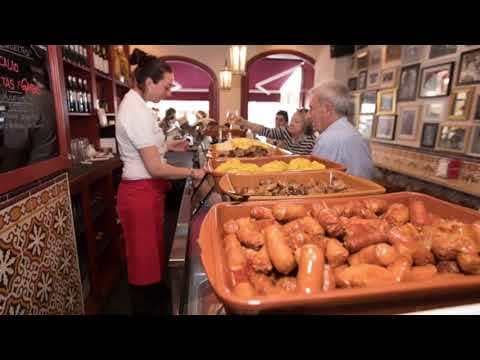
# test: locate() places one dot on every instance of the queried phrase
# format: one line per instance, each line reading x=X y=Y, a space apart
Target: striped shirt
x=303 y=146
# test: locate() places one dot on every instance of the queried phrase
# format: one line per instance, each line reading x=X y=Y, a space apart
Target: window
x=263 y=112
x=186 y=108
x=290 y=91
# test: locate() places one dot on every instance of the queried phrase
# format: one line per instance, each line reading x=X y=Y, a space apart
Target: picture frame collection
x=418 y=95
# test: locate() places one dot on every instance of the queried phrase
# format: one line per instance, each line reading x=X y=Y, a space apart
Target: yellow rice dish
x=240 y=143
x=235 y=165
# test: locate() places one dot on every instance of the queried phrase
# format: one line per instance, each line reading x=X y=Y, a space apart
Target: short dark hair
x=170 y=113
x=284 y=114
x=149 y=66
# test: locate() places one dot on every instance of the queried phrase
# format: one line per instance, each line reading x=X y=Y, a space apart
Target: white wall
x=214 y=56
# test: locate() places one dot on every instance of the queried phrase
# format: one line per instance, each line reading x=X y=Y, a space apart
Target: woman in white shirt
x=141 y=194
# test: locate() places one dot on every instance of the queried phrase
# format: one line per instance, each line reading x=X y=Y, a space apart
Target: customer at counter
x=297 y=137
x=338 y=141
x=281 y=119
x=169 y=120
x=141 y=194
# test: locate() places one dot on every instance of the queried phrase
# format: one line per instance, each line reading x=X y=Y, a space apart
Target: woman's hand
x=177 y=145
x=198 y=174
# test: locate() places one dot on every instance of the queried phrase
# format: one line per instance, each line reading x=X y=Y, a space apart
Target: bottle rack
x=98 y=235
x=105 y=91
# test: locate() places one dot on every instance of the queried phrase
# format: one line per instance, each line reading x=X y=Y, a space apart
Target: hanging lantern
x=238 y=59
x=226 y=78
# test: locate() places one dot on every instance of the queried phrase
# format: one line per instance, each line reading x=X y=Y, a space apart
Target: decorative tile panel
x=39 y=270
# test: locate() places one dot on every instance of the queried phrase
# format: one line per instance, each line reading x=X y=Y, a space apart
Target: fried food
x=310 y=270
x=271 y=187
x=292 y=249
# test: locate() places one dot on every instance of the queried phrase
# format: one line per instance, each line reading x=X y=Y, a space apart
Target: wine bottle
x=71 y=95
x=78 y=92
x=67 y=86
x=88 y=97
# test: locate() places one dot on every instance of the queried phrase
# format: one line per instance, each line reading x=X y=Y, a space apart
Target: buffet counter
x=193 y=294
x=198 y=297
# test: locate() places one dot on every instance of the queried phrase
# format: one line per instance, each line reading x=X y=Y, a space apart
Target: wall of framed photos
x=421 y=96
x=419 y=104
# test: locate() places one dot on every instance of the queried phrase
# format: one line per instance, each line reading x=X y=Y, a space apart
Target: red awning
x=266 y=68
x=190 y=76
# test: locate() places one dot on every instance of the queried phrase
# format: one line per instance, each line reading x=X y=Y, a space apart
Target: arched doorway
x=270 y=72
x=196 y=82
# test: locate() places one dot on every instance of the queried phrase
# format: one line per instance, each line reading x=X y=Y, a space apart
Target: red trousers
x=141 y=207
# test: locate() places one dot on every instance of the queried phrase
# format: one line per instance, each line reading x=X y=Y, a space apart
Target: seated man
x=338 y=141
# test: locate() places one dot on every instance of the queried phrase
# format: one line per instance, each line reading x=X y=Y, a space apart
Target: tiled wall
x=413 y=161
x=412 y=170
x=39 y=271
x=408 y=183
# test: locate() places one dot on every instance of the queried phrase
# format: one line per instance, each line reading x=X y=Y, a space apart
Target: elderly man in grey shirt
x=338 y=141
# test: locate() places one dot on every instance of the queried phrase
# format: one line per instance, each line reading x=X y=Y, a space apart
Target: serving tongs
x=237 y=197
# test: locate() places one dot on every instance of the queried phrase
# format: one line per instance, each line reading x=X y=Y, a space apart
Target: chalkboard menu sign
x=28 y=127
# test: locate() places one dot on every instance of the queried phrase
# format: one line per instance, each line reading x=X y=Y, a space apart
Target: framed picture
x=385 y=127
x=474 y=148
x=460 y=104
x=393 y=53
x=362 y=60
x=407 y=90
x=435 y=80
x=352 y=84
x=355 y=103
x=365 y=125
x=373 y=79
x=408 y=122
x=362 y=80
x=386 y=101
x=469 y=71
x=368 y=102
x=388 y=78
x=413 y=53
x=442 y=50
x=434 y=111
x=429 y=135
x=452 y=138
x=375 y=58
x=477 y=109
x=353 y=64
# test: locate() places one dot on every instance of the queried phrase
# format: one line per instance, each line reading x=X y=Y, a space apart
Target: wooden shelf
x=105 y=260
x=120 y=84
x=91 y=306
x=79 y=114
x=101 y=75
x=109 y=270
x=102 y=246
x=76 y=66
x=471 y=189
x=424 y=150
